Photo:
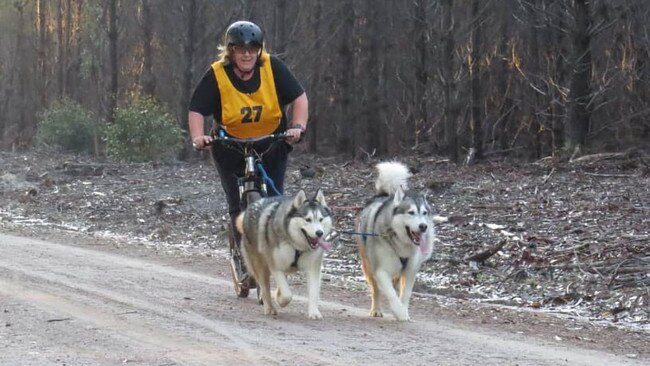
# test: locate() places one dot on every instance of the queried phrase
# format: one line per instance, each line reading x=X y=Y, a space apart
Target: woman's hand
x=294 y=134
x=201 y=142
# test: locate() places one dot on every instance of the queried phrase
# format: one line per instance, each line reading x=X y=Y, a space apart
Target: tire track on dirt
x=140 y=332
x=62 y=274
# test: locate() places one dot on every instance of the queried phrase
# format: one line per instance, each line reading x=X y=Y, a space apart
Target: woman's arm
x=196 y=123
x=299 y=117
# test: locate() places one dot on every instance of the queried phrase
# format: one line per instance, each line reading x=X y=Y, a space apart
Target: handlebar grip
x=271 y=137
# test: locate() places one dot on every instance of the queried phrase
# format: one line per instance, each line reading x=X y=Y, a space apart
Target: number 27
x=247 y=112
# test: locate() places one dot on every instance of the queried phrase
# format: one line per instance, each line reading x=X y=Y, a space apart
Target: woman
x=247 y=91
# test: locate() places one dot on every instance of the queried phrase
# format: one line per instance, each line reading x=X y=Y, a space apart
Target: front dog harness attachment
x=246 y=115
x=405 y=262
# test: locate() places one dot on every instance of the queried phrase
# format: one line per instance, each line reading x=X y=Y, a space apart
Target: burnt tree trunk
x=448 y=82
x=504 y=82
x=189 y=51
x=316 y=97
x=148 y=79
x=280 y=41
x=371 y=128
x=475 y=84
x=579 y=113
x=420 y=35
x=43 y=45
x=535 y=127
x=346 y=121
x=69 y=51
x=61 y=61
x=555 y=59
x=112 y=60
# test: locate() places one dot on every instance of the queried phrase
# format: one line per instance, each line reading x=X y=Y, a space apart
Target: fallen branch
x=599 y=267
x=548 y=176
x=600 y=175
x=491 y=207
x=83 y=170
x=632 y=282
x=483 y=255
x=630 y=270
x=633 y=237
x=571 y=249
x=594 y=158
x=58 y=320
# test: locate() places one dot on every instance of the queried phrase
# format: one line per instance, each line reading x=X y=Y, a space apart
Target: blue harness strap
x=363 y=235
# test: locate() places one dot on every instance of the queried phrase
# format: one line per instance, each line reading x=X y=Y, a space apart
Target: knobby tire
x=241 y=291
x=251 y=197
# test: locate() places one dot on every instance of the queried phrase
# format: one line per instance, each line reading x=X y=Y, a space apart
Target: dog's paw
x=283 y=299
x=315 y=315
x=403 y=317
x=270 y=310
x=376 y=314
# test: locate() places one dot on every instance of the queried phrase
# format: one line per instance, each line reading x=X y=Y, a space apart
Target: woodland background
x=524 y=78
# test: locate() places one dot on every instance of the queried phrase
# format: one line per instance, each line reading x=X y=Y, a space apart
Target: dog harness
x=246 y=115
x=387 y=236
x=295 y=259
x=403 y=260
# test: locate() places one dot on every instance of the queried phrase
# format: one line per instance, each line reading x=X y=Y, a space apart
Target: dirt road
x=75 y=305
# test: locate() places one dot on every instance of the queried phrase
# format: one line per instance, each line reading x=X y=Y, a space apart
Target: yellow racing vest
x=249 y=115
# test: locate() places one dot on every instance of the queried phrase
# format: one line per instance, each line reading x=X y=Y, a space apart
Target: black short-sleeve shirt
x=207 y=100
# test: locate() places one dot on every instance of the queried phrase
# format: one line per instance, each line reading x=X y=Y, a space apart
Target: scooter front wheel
x=235 y=268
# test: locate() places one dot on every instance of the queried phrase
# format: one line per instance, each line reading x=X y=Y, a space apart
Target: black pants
x=230 y=165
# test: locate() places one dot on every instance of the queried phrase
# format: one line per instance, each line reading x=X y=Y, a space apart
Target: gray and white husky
x=400 y=233
x=282 y=235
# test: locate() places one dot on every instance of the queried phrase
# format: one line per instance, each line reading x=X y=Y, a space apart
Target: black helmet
x=243 y=33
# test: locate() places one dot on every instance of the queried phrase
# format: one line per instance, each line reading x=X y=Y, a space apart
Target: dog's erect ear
x=320 y=197
x=399 y=195
x=300 y=198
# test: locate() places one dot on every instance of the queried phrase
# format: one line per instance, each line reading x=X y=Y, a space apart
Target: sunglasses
x=253 y=50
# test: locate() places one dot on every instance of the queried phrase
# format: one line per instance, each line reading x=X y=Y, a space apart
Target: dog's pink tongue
x=326 y=245
x=424 y=246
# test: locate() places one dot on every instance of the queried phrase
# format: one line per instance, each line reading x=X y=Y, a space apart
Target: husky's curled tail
x=392 y=175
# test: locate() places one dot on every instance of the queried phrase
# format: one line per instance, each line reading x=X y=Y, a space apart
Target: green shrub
x=68 y=125
x=143 y=131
